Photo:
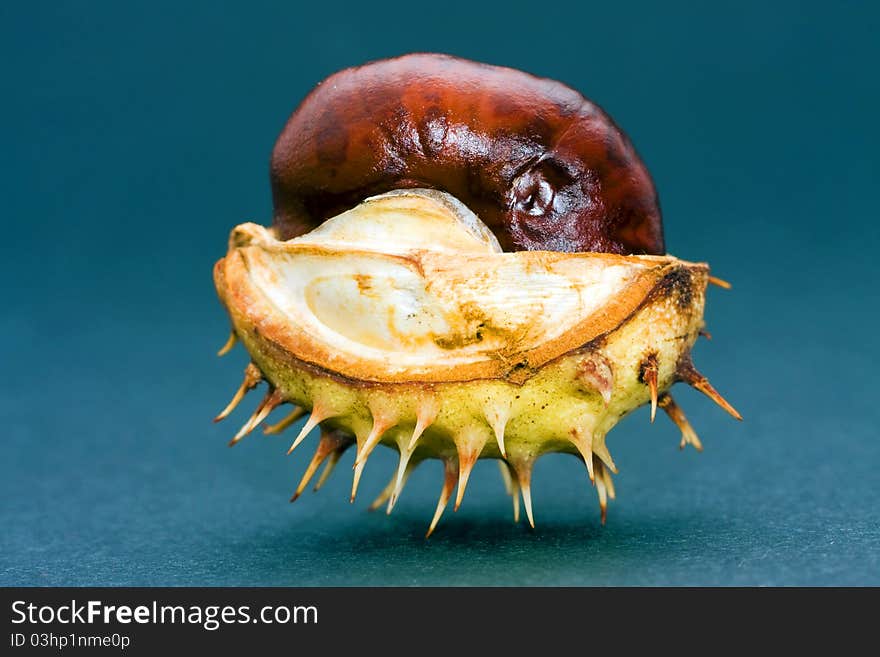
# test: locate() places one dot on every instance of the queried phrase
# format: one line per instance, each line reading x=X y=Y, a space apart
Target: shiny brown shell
x=542 y=166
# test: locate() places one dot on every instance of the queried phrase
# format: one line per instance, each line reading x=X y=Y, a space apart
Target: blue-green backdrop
x=135 y=135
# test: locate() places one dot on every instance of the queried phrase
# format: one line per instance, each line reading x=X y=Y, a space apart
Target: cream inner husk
x=378 y=283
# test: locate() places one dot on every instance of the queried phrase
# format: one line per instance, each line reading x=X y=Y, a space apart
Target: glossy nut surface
x=543 y=167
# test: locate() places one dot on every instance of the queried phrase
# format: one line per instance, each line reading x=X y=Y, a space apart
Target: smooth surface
x=135 y=137
x=543 y=167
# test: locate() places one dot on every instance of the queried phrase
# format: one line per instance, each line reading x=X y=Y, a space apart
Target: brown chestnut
x=542 y=166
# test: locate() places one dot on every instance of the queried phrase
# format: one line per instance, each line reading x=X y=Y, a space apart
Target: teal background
x=135 y=135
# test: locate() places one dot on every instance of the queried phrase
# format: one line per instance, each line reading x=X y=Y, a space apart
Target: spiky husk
x=513 y=402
